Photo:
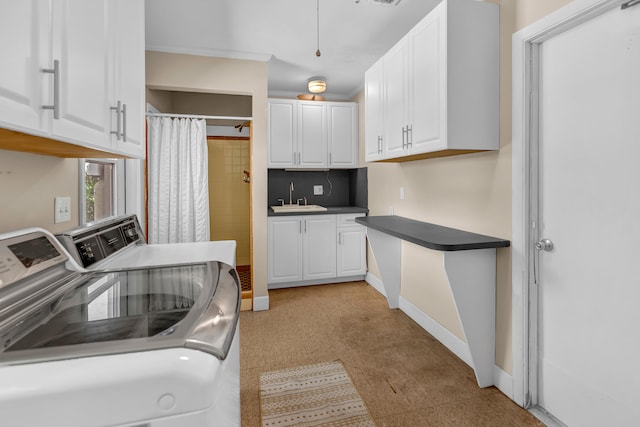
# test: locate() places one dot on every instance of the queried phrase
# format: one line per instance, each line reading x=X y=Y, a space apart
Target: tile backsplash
x=341 y=187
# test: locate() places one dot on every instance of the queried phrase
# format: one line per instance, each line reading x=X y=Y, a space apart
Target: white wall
x=28 y=185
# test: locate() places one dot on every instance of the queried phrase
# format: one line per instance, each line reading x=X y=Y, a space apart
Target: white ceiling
x=284 y=32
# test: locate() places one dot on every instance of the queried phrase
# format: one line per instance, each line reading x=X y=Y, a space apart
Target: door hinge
x=629 y=4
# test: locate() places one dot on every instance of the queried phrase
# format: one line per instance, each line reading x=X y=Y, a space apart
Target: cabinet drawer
x=348 y=219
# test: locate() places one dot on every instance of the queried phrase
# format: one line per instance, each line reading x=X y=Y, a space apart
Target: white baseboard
x=439 y=332
x=502 y=380
x=376 y=283
x=261 y=303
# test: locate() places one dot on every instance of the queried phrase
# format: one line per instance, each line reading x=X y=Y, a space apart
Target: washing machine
x=119 y=243
x=153 y=346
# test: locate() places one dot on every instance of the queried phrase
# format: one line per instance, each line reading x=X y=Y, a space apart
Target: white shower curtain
x=178 y=180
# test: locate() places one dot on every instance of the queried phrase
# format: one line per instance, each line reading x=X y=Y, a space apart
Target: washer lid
x=129 y=310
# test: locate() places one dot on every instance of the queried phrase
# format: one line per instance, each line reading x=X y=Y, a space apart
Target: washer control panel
x=27 y=254
x=94 y=242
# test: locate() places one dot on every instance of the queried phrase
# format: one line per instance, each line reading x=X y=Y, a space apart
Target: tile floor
x=404 y=375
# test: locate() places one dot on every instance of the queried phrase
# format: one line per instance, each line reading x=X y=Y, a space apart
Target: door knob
x=544 y=245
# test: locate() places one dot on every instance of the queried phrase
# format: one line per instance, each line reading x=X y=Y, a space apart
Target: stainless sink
x=298 y=208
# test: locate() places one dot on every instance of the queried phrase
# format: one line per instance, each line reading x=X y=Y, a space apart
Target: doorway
x=229 y=143
x=230 y=202
x=576 y=284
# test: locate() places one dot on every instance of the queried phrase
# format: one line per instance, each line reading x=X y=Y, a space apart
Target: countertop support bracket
x=472 y=279
x=387 y=252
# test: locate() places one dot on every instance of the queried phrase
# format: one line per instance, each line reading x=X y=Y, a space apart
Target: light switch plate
x=317 y=190
x=61 y=209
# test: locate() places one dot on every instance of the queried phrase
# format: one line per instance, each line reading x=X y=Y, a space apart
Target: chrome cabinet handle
x=56 y=88
x=124 y=122
x=340 y=238
x=330 y=158
x=379 y=144
x=117 y=109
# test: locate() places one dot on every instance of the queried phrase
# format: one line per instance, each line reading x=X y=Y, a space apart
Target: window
x=101 y=189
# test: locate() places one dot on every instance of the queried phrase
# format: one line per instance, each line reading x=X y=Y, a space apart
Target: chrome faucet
x=290 y=192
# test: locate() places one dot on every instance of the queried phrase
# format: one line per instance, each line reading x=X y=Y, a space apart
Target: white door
x=589 y=207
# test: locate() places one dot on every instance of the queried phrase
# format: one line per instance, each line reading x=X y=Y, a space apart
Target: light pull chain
x=318 y=26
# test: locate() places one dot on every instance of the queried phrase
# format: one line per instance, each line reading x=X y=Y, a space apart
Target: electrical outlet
x=61 y=209
x=317 y=190
x=391 y=211
x=401 y=193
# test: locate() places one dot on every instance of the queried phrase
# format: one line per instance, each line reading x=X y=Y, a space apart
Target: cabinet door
x=351 y=256
x=319 y=247
x=285 y=249
x=126 y=21
x=24 y=34
x=312 y=135
x=80 y=43
x=342 y=134
x=427 y=84
x=283 y=124
x=373 y=112
x=395 y=105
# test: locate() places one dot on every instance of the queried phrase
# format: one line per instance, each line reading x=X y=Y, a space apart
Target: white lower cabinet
x=315 y=248
x=285 y=249
x=318 y=247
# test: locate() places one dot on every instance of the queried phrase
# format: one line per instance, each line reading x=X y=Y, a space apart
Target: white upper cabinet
x=128 y=123
x=427 y=95
x=440 y=86
x=374 y=111
x=396 y=90
x=342 y=132
x=25 y=28
x=312 y=134
x=283 y=133
x=79 y=89
x=69 y=62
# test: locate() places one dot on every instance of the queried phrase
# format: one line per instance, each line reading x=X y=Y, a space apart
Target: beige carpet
x=312 y=395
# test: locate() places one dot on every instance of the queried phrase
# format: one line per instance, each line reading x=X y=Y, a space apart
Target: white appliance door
x=589 y=207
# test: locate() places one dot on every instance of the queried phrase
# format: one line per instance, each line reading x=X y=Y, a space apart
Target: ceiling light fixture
x=317 y=85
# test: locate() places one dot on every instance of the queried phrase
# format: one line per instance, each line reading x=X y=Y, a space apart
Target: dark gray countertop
x=431 y=236
x=330 y=210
